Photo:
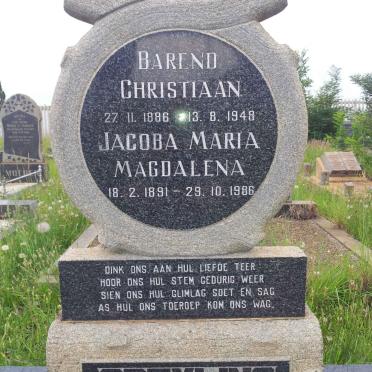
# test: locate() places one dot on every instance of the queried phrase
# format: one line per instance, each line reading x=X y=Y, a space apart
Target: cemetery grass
x=340 y=295
x=339 y=291
x=26 y=307
x=354 y=214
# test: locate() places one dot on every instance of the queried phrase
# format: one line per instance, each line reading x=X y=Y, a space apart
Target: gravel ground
x=319 y=246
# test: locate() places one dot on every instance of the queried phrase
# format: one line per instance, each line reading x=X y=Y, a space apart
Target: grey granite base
x=297 y=341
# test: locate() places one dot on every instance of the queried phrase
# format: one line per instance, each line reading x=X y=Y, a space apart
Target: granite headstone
x=21 y=123
x=179 y=128
x=178 y=135
x=21 y=120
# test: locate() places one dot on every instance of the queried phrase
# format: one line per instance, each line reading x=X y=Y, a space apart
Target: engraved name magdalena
x=199 y=141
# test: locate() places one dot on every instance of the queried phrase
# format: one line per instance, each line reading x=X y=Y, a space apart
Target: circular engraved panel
x=178 y=129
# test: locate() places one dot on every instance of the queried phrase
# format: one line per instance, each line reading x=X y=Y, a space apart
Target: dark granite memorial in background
x=179 y=129
x=21 y=123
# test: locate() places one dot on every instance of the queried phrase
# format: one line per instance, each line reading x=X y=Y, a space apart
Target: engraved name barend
x=176 y=61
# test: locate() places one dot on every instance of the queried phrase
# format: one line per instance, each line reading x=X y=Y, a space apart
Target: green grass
x=341 y=295
x=26 y=307
x=316 y=149
x=341 y=298
x=352 y=214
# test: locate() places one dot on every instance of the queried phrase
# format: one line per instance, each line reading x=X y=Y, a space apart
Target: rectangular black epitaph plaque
x=261 y=366
x=183 y=289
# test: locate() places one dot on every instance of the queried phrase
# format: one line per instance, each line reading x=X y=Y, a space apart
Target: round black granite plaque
x=178 y=129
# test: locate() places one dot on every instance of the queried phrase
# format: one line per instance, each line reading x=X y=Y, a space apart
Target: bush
x=340 y=139
x=361 y=141
x=323 y=106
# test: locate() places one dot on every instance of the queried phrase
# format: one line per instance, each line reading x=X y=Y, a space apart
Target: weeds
x=26 y=307
x=341 y=297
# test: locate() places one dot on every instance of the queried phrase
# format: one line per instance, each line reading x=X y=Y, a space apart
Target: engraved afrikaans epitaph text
x=178 y=129
x=183 y=289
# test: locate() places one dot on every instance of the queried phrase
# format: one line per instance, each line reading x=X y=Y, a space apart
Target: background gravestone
x=21 y=118
x=341 y=164
x=21 y=122
x=336 y=167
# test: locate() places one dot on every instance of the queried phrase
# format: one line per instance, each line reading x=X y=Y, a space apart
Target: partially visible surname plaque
x=183 y=289
x=259 y=366
x=178 y=129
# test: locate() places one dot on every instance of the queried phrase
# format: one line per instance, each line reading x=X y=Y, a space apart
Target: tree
x=2 y=96
x=303 y=72
x=324 y=105
x=361 y=141
x=340 y=139
x=329 y=93
x=365 y=83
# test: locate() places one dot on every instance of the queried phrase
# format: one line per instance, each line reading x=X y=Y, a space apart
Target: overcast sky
x=35 y=33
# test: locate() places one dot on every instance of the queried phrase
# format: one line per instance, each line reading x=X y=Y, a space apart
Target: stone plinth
x=297 y=341
x=293 y=341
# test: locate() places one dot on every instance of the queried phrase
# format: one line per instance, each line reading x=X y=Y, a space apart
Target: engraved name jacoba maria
x=125 y=143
